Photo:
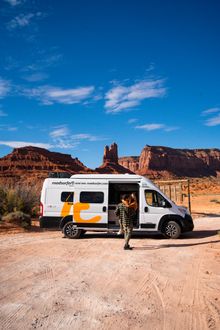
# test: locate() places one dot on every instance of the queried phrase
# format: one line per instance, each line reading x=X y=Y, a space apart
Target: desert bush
x=24 y=199
x=215 y=201
x=2 y=200
x=19 y=218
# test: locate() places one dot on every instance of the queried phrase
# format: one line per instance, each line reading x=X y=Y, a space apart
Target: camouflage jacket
x=125 y=214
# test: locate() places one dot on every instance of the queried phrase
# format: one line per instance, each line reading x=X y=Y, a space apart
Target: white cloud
x=49 y=95
x=88 y=137
x=44 y=59
x=121 y=97
x=23 y=20
x=2 y=114
x=150 y=127
x=38 y=76
x=210 y=111
x=170 y=129
x=4 y=87
x=153 y=127
x=62 y=138
x=59 y=132
x=14 y=3
x=214 y=121
x=19 y=144
x=65 y=143
x=132 y=120
x=8 y=128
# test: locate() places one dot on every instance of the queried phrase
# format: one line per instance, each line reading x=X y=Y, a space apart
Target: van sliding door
x=91 y=204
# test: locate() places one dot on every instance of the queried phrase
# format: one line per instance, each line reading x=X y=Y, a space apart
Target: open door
x=116 y=191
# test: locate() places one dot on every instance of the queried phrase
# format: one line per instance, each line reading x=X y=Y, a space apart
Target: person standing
x=126 y=214
x=121 y=230
x=133 y=204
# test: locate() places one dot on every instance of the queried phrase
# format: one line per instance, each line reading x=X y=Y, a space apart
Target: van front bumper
x=187 y=223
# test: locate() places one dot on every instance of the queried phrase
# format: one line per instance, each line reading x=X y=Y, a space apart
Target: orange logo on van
x=77 y=208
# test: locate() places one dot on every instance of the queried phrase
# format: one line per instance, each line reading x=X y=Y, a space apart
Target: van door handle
x=146 y=209
x=104 y=208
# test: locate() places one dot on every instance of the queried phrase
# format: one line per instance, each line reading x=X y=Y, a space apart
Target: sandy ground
x=205 y=205
x=49 y=282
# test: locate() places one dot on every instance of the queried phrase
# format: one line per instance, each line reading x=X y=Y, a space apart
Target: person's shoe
x=127 y=247
x=119 y=232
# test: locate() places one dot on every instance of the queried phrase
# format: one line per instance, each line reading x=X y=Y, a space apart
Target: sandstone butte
x=163 y=162
x=31 y=165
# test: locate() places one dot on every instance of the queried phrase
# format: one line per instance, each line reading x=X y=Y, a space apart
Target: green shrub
x=24 y=199
x=18 y=218
x=2 y=200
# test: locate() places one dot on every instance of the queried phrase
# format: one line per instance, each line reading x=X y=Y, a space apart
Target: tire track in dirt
x=157 y=290
x=191 y=301
x=20 y=295
x=213 y=315
x=17 y=312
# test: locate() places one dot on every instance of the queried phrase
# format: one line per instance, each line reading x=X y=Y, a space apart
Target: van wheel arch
x=70 y=231
x=172 y=218
x=64 y=220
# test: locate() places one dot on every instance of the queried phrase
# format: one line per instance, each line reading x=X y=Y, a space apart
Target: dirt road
x=49 y=282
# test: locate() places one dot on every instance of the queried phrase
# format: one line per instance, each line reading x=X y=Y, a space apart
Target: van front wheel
x=71 y=231
x=172 y=229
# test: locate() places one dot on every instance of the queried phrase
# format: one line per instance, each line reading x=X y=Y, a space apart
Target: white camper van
x=86 y=202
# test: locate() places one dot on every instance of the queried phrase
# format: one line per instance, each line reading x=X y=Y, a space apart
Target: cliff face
x=132 y=163
x=110 y=154
x=31 y=164
x=166 y=162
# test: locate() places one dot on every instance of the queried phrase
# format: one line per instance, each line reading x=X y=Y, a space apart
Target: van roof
x=107 y=176
x=122 y=177
x=61 y=182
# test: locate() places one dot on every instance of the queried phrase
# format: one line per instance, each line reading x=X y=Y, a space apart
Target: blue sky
x=77 y=75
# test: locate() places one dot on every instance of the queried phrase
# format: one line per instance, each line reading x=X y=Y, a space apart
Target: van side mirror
x=166 y=204
x=163 y=204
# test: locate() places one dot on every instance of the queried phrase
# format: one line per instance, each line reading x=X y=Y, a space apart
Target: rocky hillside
x=164 y=162
x=32 y=164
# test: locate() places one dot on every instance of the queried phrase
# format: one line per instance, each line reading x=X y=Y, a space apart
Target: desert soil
x=49 y=282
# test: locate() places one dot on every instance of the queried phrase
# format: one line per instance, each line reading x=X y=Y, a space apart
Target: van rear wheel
x=71 y=231
x=172 y=229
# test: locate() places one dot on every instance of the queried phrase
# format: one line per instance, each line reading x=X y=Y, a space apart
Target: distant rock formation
x=31 y=164
x=164 y=162
x=111 y=154
x=131 y=162
x=110 y=162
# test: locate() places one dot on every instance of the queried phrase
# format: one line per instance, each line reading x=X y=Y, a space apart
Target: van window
x=67 y=196
x=153 y=198
x=92 y=197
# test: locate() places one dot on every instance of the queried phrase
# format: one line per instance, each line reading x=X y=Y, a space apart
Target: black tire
x=171 y=229
x=70 y=231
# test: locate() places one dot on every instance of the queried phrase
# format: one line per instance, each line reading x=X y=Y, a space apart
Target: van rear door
x=91 y=203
